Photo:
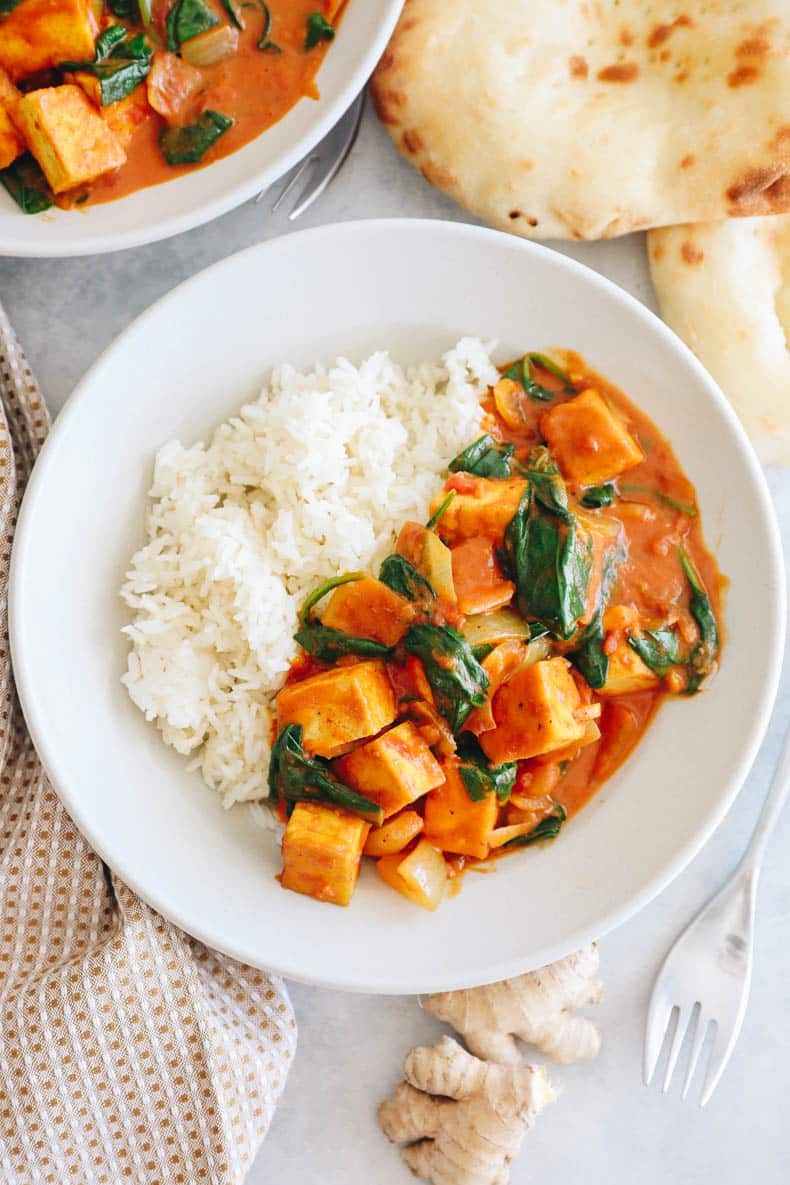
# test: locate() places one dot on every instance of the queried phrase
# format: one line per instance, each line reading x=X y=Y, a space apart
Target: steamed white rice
x=311 y=480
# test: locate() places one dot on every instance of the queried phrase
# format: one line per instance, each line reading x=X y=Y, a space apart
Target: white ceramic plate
x=189 y=362
x=187 y=201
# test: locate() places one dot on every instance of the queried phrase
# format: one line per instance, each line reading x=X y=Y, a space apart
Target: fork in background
x=704 y=980
x=322 y=165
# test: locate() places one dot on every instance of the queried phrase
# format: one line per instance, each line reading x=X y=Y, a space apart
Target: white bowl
x=190 y=200
x=188 y=363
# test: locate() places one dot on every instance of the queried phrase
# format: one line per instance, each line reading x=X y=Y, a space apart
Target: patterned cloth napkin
x=128 y=1051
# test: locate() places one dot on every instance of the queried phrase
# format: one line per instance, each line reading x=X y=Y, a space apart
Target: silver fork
x=322 y=165
x=705 y=979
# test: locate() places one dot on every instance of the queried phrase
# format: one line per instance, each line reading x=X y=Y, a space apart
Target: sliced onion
x=212 y=47
x=486 y=629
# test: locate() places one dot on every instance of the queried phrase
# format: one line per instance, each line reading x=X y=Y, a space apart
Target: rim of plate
x=235 y=195
x=494 y=970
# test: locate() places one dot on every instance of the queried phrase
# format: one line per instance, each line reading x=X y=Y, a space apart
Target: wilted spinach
x=27 y=185
x=435 y=518
x=589 y=656
x=485 y=458
x=598 y=496
x=329 y=644
x=403 y=578
x=120 y=65
x=188 y=19
x=318 y=594
x=318 y=29
x=547 y=481
x=478 y=776
x=188 y=145
x=658 y=649
x=457 y=680
x=704 y=653
x=521 y=372
x=548 y=828
x=265 y=44
x=296 y=777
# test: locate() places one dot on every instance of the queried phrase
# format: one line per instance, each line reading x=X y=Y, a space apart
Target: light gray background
x=606 y=1127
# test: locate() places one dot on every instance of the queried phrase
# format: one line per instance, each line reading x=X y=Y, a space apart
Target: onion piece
x=486 y=629
x=421 y=876
x=212 y=47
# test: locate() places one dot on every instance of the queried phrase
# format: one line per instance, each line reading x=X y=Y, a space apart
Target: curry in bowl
x=99 y=98
x=472 y=696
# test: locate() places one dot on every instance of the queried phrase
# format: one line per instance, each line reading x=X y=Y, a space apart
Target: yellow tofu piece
x=486 y=509
x=394 y=770
x=38 y=34
x=589 y=442
x=125 y=116
x=537 y=711
x=11 y=143
x=627 y=672
x=67 y=136
x=339 y=706
x=453 y=822
x=369 y=609
x=322 y=849
x=88 y=82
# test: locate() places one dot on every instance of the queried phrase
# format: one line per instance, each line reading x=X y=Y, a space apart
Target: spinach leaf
x=265 y=45
x=543 y=472
x=330 y=644
x=7 y=6
x=485 y=458
x=295 y=777
x=434 y=519
x=233 y=13
x=482 y=651
x=597 y=496
x=319 y=593
x=704 y=653
x=27 y=185
x=658 y=649
x=125 y=10
x=187 y=19
x=318 y=29
x=188 y=145
x=548 y=828
x=403 y=578
x=120 y=65
x=660 y=496
x=550 y=559
x=589 y=657
x=457 y=680
x=478 y=776
x=521 y=372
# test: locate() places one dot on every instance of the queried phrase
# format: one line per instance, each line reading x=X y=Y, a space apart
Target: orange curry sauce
x=656 y=507
x=254 y=88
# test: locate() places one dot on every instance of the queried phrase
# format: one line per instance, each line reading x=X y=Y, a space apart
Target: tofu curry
x=99 y=98
x=469 y=699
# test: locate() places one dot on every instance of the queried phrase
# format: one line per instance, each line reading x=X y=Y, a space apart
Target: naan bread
x=724 y=287
x=586 y=119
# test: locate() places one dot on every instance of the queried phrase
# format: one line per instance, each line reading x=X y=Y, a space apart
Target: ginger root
x=534 y=1007
x=463 y=1119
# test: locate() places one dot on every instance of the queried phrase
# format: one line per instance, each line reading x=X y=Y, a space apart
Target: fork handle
x=772 y=808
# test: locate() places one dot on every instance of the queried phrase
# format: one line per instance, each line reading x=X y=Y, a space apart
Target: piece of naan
x=586 y=119
x=724 y=287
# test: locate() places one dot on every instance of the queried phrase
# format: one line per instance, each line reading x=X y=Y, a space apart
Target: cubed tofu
x=11 y=143
x=369 y=609
x=484 y=508
x=39 y=34
x=126 y=116
x=322 y=849
x=393 y=770
x=587 y=439
x=535 y=712
x=453 y=822
x=627 y=672
x=479 y=584
x=339 y=706
x=67 y=136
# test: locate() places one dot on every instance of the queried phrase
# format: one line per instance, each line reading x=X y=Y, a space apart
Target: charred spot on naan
x=688 y=160
x=690 y=252
x=578 y=66
x=661 y=33
x=619 y=72
x=761 y=190
x=743 y=76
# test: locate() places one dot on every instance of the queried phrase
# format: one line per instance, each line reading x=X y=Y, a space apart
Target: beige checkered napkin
x=127 y=1051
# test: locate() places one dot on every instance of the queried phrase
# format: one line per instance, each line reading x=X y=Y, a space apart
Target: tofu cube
x=537 y=711
x=322 y=849
x=39 y=34
x=589 y=442
x=453 y=822
x=627 y=672
x=486 y=509
x=67 y=136
x=11 y=143
x=339 y=706
x=125 y=116
x=369 y=609
x=393 y=770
